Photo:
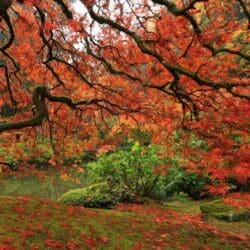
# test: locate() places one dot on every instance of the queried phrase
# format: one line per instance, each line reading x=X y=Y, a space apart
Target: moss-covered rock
x=100 y=195
x=220 y=210
x=216 y=206
x=94 y=196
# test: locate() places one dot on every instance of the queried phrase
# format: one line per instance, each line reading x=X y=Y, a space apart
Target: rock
x=99 y=195
x=93 y=196
x=220 y=210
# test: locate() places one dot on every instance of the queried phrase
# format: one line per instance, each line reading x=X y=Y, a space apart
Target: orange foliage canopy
x=68 y=67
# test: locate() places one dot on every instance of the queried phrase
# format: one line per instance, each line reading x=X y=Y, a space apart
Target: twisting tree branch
x=4 y=6
x=246 y=11
x=6 y=18
x=64 y=8
x=182 y=12
x=108 y=65
x=173 y=69
x=215 y=51
x=8 y=83
x=39 y=96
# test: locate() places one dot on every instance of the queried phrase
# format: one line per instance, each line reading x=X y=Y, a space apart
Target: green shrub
x=194 y=185
x=123 y=194
x=178 y=180
x=132 y=166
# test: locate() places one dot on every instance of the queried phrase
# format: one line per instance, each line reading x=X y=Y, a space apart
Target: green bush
x=177 y=180
x=194 y=185
x=100 y=195
x=132 y=166
x=123 y=194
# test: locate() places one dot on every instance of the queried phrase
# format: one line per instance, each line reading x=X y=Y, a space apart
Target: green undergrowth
x=28 y=223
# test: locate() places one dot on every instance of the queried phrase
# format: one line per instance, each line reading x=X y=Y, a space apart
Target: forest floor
x=29 y=223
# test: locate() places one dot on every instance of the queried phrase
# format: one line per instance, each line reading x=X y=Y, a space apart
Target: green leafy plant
x=132 y=166
x=178 y=180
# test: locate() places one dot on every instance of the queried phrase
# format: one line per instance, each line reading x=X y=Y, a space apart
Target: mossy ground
x=187 y=206
x=28 y=223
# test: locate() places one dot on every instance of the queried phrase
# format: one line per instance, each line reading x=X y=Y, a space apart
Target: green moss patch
x=223 y=211
x=95 y=196
x=100 y=195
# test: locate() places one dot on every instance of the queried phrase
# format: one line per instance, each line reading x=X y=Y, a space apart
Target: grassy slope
x=36 y=224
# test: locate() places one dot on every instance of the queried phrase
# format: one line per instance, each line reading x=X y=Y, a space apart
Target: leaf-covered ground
x=27 y=223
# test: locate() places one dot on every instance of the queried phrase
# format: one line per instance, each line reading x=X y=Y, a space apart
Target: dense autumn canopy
x=70 y=69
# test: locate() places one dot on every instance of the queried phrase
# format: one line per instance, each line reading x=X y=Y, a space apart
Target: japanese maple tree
x=69 y=66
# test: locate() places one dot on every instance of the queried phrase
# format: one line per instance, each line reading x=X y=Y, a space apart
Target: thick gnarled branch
x=39 y=96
